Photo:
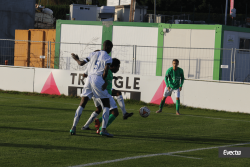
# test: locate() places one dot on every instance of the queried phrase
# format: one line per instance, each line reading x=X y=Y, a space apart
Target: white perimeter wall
x=196 y=63
x=211 y=95
x=84 y=39
x=17 y=78
x=145 y=56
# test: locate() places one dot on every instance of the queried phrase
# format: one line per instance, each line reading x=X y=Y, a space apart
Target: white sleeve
x=88 y=58
x=109 y=61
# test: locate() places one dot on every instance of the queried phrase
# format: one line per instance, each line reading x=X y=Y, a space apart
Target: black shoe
x=125 y=116
x=87 y=128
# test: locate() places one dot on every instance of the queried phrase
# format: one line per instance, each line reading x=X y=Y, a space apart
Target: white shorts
x=93 y=87
x=168 y=93
x=112 y=102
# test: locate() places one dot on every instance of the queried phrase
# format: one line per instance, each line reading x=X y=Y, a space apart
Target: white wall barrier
x=212 y=95
x=17 y=78
x=216 y=95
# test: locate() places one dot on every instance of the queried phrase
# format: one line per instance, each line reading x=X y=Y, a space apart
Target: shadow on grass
x=183 y=139
x=50 y=147
x=44 y=108
x=45 y=130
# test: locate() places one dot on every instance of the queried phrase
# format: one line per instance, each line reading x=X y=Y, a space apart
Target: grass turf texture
x=34 y=131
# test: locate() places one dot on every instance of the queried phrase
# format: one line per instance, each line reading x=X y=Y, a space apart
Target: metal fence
x=241 y=65
x=25 y=53
x=6 y=52
x=197 y=63
x=65 y=60
x=139 y=60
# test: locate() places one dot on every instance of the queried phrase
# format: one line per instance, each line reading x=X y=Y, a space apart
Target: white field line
x=128 y=109
x=153 y=155
x=184 y=156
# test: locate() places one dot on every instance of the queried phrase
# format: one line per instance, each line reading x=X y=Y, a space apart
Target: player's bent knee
x=116 y=92
x=115 y=112
x=163 y=98
x=98 y=109
x=105 y=102
x=119 y=93
x=84 y=101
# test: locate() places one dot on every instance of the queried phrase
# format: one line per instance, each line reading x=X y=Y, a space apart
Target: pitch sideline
x=153 y=155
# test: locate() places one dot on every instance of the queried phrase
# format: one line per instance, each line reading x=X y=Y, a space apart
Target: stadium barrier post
x=133 y=59
x=231 y=64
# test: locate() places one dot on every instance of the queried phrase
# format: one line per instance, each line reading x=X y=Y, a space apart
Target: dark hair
x=96 y=50
x=107 y=43
x=176 y=60
x=115 y=62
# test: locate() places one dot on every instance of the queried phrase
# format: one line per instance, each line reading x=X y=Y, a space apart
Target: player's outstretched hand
x=104 y=86
x=75 y=56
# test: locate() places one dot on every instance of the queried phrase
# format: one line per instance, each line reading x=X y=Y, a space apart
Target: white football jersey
x=97 y=62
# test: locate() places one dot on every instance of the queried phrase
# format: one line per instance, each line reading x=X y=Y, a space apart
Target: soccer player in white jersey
x=97 y=67
x=114 y=68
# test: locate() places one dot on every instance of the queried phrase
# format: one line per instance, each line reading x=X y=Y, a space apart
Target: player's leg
x=113 y=115
x=177 y=95
x=93 y=115
x=97 y=83
x=78 y=114
x=166 y=93
x=121 y=103
x=86 y=95
x=113 y=112
x=105 y=117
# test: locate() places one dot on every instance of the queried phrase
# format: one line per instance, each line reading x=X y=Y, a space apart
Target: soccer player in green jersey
x=174 y=80
x=114 y=67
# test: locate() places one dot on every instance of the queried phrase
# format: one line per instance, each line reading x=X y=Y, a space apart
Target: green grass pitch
x=34 y=131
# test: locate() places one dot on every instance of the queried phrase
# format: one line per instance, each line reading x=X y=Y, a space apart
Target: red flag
x=231 y=5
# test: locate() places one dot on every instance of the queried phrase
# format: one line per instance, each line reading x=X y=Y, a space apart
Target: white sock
x=78 y=115
x=91 y=119
x=105 y=117
x=121 y=104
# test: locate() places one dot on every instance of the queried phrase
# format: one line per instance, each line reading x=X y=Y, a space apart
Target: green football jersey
x=174 y=79
x=109 y=79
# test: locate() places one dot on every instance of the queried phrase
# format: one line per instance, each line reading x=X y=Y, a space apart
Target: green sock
x=162 y=104
x=177 y=105
x=111 y=119
x=100 y=119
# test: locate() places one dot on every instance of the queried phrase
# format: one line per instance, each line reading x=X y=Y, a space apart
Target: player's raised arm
x=104 y=75
x=106 y=69
x=76 y=58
